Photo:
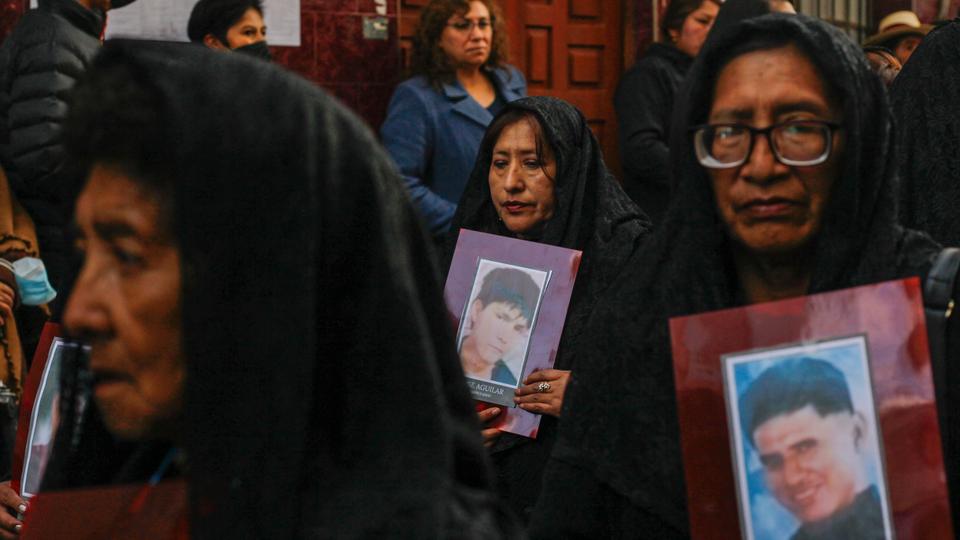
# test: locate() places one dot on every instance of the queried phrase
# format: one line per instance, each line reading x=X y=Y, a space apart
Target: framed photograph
x=507 y=301
x=811 y=417
x=496 y=325
x=803 y=427
x=44 y=421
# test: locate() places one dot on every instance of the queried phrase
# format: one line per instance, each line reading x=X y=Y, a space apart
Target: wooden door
x=573 y=50
x=570 y=49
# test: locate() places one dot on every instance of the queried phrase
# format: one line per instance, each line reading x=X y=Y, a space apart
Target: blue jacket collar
x=508 y=86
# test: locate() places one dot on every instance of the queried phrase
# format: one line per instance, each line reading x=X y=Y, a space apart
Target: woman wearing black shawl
x=926 y=104
x=591 y=213
x=616 y=468
x=321 y=395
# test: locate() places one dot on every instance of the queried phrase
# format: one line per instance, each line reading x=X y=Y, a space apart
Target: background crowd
x=259 y=276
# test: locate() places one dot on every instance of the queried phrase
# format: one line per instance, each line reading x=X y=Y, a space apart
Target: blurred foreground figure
x=901 y=32
x=256 y=295
x=926 y=104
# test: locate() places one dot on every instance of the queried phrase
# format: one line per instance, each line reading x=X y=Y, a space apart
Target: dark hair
x=217 y=16
x=677 y=11
x=791 y=385
x=429 y=60
x=513 y=116
x=116 y=119
x=513 y=287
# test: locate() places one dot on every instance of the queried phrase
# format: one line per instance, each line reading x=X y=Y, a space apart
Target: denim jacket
x=433 y=138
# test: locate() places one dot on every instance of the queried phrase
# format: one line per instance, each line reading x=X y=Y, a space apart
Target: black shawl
x=620 y=422
x=323 y=393
x=926 y=105
x=592 y=214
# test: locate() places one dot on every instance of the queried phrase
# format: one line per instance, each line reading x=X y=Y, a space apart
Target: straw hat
x=898 y=24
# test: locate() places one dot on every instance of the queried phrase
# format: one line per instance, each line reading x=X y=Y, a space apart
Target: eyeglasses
x=797 y=143
x=468 y=25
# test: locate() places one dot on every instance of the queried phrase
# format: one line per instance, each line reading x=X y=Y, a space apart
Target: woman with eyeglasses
x=437 y=118
x=785 y=186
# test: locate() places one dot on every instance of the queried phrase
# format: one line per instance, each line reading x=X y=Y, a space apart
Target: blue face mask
x=32 y=281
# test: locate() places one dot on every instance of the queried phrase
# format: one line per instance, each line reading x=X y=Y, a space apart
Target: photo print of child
x=807 y=452
x=497 y=322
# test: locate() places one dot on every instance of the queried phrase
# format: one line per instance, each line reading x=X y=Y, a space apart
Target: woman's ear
x=674 y=35
x=213 y=42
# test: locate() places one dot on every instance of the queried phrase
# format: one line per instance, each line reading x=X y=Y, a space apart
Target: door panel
x=572 y=49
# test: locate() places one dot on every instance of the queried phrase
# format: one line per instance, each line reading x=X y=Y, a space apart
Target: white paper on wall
x=167 y=20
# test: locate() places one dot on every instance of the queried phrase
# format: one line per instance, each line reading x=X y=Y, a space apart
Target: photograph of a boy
x=813 y=446
x=497 y=323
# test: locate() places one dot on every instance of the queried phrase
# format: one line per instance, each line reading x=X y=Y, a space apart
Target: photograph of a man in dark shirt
x=812 y=442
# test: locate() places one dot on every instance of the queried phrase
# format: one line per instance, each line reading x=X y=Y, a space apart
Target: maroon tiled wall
x=332 y=52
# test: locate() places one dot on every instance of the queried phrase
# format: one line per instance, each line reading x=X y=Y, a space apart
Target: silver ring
x=543 y=387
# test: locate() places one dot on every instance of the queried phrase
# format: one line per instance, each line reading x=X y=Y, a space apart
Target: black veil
x=323 y=396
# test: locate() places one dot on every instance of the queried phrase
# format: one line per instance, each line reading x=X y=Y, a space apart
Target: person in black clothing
x=559 y=165
x=799 y=417
x=926 y=102
x=258 y=293
x=234 y=25
x=644 y=102
x=40 y=61
x=745 y=227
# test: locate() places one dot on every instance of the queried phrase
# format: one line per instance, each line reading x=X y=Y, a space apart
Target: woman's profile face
x=126 y=306
x=769 y=207
x=248 y=30
x=521 y=181
x=467 y=38
x=690 y=37
x=496 y=329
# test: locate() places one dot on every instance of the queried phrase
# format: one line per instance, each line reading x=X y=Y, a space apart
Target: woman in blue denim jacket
x=436 y=119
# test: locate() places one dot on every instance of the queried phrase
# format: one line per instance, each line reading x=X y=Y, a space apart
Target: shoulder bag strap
x=938 y=304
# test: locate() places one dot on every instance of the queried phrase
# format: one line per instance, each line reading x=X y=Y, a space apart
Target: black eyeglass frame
x=709 y=162
x=468 y=25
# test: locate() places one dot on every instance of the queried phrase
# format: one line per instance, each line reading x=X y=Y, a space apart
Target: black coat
x=644 y=103
x=925 y=98
x=48 y=50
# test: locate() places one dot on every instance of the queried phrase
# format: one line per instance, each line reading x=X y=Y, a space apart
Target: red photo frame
x=890 y=316
x=50 y=332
